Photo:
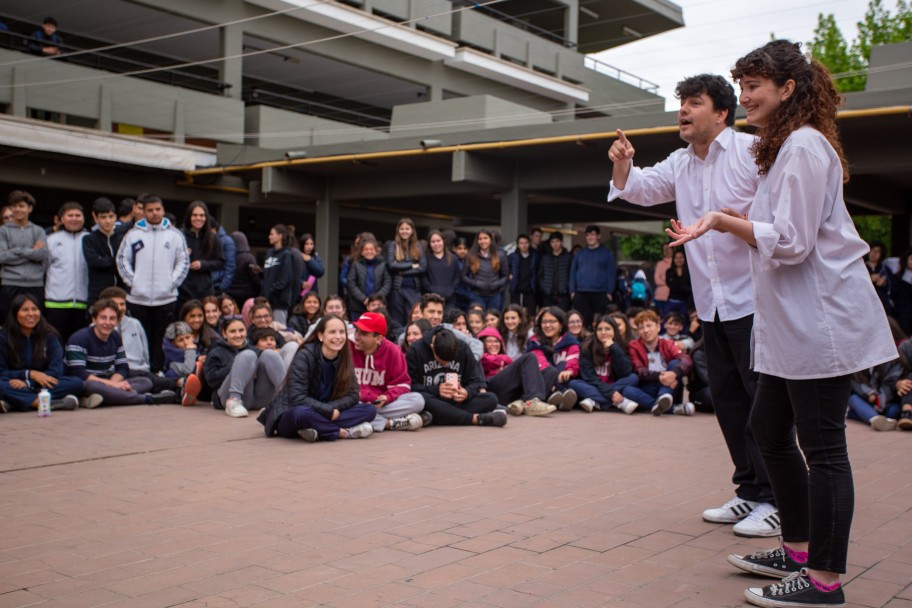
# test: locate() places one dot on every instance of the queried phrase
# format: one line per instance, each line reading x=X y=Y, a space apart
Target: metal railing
x=119 y=65
x=623 y=75
x=523 y=25
x=313 y=108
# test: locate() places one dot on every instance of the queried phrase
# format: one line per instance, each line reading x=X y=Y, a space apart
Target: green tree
x=878 y=26
x=829 y=46
x=643 y=248
x=875 y=228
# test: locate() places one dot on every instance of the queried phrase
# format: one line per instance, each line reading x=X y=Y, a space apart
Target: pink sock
x=800 y=557
x=822 y=587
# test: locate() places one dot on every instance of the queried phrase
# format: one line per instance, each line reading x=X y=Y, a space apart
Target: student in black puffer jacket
x=320 y=397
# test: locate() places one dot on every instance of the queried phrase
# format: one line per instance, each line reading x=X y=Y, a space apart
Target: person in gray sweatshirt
x=23 y=253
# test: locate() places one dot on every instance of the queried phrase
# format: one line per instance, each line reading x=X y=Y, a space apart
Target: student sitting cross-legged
x=383 y=377
x=660 y=366
x=241 y=377
x=607 y=377
x=557 y=352
x=444 y=371
x=31 y=359
x=320 y=397
x=96 y=354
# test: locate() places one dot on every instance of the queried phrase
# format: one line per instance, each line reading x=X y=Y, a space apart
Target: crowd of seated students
x=237 y=335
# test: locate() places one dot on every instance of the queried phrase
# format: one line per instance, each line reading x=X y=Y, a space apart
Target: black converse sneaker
x=775 y=563
x=495 y=418
x=795 y=591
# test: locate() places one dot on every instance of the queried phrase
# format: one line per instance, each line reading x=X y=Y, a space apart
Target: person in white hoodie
x=66 y=289
x=153 y=262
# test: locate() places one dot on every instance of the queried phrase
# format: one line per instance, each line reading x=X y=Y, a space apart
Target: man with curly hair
x=716 y=171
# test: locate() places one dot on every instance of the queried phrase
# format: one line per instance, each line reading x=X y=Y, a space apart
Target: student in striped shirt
x=96 y=355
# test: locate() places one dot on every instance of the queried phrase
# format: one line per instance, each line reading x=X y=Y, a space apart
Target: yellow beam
x=499 y=145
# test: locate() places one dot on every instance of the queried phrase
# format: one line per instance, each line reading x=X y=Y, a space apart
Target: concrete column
x=230 y=217
x=327 y=237
x=105 y=122
x=179 y=131
x=514 y=213
x=571 y=21
x=19 y=107
x=231 y=69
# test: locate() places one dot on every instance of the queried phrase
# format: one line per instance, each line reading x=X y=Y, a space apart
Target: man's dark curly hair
x=717 y=88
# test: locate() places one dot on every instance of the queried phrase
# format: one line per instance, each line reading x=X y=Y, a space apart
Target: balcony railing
x=623 y=75
x=313 y=108
x=109 y=62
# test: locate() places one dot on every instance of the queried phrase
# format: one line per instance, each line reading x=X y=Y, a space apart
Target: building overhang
x=88 y=143
x=482 y=64
x=363 y=25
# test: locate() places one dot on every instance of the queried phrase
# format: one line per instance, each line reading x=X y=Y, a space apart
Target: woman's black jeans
x=815 y=493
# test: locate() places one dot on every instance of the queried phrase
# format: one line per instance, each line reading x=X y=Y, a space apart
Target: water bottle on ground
x=44 y=403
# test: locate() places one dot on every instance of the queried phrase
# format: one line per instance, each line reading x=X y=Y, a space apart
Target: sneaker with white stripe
x=731 y=512
x=763 y=521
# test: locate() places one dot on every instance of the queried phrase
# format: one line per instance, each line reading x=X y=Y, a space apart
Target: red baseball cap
x=371 y=322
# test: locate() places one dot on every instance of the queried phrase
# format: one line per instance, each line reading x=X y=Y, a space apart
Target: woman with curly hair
x=818 y=319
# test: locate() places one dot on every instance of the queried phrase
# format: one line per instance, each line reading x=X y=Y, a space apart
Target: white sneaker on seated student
x=383 y=376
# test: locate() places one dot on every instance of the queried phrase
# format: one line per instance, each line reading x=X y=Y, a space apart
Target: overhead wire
x=154 y=69
x=141 y=41
x=441 y=124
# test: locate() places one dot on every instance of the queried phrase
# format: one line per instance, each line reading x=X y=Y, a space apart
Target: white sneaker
x=684 y=409
x=662 y=404
x=517 y=408
x=91 y=402
x=588 y=405
x=763 y=521
x=234 y=407
x=412 y=422
x=731 y=512
x=628 y=406
x=882 y=423
x=360 y=431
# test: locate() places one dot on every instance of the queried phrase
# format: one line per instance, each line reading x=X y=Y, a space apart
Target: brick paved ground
x=150 y=507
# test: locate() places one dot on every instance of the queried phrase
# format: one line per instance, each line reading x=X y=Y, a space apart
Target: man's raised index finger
x=621 y=137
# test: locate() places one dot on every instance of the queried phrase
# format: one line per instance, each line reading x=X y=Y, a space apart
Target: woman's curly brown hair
x=813 y=103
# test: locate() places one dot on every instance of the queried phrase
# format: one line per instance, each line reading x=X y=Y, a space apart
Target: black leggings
x=816 y=500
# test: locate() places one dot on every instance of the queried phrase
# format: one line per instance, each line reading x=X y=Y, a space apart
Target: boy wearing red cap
x=383 y=377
